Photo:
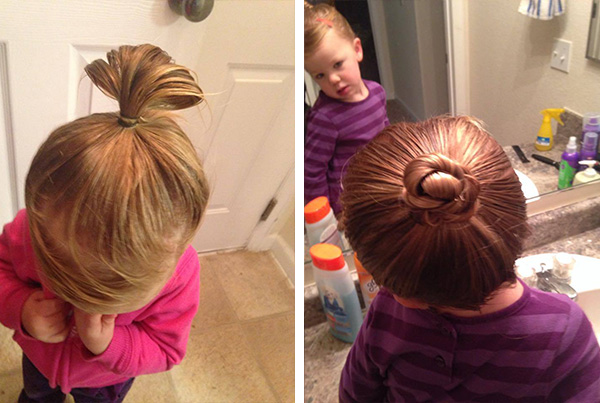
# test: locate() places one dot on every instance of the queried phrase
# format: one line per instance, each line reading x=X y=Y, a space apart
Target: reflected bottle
x=336 y=291
x=568 y=164
x=321 y=225
x=368 y=287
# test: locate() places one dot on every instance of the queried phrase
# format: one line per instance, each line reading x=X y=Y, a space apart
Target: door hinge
x=268 y=209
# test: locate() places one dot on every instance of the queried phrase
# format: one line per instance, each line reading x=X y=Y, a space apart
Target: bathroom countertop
x=324 y=355
x=543 y=175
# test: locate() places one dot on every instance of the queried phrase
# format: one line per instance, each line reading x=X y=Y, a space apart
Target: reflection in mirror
x=593 y=46
x=505 y=63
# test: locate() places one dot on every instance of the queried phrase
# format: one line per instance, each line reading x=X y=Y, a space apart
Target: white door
x=243 y=54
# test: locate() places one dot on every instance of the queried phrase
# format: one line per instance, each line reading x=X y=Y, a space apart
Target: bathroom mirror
x=593 y=44
x=507 y=64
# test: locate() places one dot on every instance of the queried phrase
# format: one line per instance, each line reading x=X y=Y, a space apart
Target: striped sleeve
x=321 y=137
x=577 y=364
x=361 y=379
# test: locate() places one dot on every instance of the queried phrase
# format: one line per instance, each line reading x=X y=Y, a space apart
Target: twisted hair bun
x=439 y=190
x=143 y=78
x=435 y=211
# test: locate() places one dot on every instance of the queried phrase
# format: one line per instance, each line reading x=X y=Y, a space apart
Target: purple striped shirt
x=335 y=131
x=540 y=349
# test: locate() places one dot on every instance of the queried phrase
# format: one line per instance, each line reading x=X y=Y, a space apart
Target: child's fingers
x=108 y=322
x=57 y=317
x=87 y=321
x=49 y=307
x=59 y=334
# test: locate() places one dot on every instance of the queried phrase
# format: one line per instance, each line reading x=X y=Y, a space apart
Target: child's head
x=435 y=212
x=114 y=198
x=332 y=53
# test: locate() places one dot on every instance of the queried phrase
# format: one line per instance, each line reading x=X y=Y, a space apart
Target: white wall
x=510 y=76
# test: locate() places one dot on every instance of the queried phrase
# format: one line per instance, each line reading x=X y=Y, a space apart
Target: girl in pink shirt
x=96 y=275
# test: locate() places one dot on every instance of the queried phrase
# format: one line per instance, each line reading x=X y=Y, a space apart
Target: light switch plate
x=561 y=55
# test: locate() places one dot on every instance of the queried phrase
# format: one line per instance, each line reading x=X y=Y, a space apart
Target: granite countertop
x=324 y=355
x=543 y=175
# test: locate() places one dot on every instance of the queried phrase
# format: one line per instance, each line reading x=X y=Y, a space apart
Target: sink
x=528 y=187
x=585 y=279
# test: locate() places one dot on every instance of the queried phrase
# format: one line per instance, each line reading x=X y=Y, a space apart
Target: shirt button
x=439 y=361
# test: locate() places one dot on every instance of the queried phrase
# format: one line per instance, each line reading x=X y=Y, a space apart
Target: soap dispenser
x=588 y=175
x=545 y=138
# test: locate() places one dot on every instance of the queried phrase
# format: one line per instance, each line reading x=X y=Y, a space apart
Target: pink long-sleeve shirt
x=149 y=340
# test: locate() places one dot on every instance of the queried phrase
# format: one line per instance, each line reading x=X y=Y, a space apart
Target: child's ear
x=358 y=49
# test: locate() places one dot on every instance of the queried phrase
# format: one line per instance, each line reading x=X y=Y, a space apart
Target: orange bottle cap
x=316 y=209
x=327 y=257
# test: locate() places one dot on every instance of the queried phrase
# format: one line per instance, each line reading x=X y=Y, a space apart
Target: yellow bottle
x=545 y=138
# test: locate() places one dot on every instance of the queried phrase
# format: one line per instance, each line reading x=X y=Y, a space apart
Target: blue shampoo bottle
x=337 y=291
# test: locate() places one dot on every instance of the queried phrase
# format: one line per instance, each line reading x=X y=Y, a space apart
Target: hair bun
x=439 y=190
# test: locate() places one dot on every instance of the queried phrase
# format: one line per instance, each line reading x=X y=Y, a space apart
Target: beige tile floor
x=241 y=348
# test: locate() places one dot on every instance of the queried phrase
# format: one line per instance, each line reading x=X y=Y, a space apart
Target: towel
x=542 y=9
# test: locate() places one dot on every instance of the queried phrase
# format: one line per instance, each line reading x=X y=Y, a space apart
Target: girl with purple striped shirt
x=349 y=111
x=436 y=214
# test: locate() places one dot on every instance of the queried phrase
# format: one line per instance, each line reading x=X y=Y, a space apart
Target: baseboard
x=284 y=255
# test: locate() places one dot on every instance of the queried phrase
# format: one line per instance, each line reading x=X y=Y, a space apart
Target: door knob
x=193 y=10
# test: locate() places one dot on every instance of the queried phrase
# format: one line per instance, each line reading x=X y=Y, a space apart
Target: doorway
x=410 y=40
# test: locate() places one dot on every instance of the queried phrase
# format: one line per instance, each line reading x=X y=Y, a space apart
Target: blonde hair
x=435 y=212
x=317 y=21
x=127 y=189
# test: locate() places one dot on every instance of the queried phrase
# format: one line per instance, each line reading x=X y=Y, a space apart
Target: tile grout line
x=245 y=321
x=241 y=322
x=231 y=305
x=254 y=355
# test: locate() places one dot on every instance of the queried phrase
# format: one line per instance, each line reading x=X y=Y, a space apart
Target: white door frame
x=8 y=194
x=457 y=47
x=263 y=236
x=456 y=19
x=382 y=49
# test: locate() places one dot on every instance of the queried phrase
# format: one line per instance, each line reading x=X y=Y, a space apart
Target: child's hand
x=45 y=319
x=95 y=330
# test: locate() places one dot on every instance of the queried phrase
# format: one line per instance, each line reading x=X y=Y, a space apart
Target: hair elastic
x=325 y=21
x=127 y=122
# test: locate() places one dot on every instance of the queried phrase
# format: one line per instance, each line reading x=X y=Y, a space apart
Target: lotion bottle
x=590 y=174
x=336 y=291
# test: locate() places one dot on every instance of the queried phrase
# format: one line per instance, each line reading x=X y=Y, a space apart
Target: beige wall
x=415 y=35
x=283 y=240
x=404 y=54
x=510 y=76
x=287 y=231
